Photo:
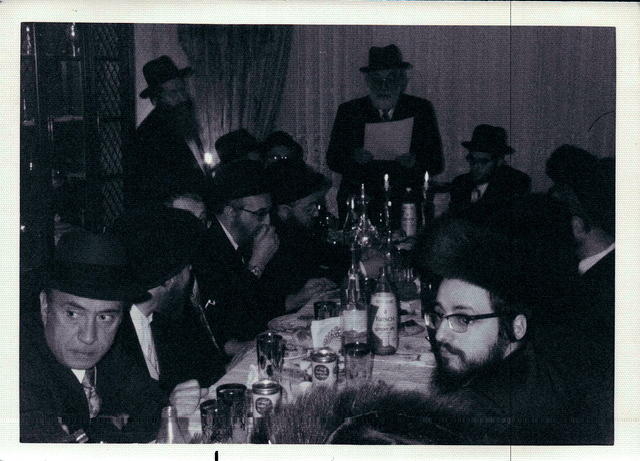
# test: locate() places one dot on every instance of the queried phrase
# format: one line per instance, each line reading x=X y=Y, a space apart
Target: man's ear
x=44 y=306
x=283 y=212
x=519 y=327
x=578 y=227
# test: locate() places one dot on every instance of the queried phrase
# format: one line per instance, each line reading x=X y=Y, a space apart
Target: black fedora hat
x=161 y=70
x=490 y=139
x=93 y=266
x=159 y=242
x=381 y=58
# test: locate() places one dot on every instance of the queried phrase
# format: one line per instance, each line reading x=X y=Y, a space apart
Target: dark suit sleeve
x=343 y=142
x=425 y=142
x=126 y=388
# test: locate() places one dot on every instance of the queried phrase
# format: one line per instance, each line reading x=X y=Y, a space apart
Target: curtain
x=239 y=73
x=545 y=85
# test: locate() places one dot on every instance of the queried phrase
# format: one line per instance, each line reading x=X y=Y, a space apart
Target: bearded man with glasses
x=239 y=245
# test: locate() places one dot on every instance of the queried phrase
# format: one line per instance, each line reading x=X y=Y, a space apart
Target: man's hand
x=265 y=245
x=313 y=287
x=407 y=160
x=362 y=156
x=186 y=396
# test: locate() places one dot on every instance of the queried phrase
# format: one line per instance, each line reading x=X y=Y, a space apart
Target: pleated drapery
x=239 y=72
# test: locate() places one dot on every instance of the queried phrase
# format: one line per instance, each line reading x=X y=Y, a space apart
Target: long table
x=410 y=368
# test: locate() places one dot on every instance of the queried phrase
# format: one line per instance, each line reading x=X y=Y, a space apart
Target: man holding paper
x=384 y=132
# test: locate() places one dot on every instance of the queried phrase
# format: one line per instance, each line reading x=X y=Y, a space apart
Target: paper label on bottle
x=385 y=321
x=409 y=219
x=354 y=320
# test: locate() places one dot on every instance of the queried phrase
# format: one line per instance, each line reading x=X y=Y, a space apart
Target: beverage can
x=324 y=367
x=266 y=397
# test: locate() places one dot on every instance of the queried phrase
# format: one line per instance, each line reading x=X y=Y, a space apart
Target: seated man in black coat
x=68 y=386
x=492 y=384
x=489 y=182
x=297 y=191
x=238 y=246
x=165 y=334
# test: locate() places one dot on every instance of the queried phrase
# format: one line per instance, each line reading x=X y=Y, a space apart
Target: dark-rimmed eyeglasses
x=261 y=213
x=457 y=322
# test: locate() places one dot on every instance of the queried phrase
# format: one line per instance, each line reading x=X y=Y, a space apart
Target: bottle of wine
x=409 y=215
x=169 y=431
x=366 y=235
x=353 y=315
x=383 y=317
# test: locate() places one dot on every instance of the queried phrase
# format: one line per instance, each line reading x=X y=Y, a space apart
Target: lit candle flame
x=386 y=182
x=208 y=158
x=426 y=180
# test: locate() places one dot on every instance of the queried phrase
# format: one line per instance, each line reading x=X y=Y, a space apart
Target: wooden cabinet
x=77 y=107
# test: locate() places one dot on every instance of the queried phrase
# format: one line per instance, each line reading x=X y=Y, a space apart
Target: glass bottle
x=169 y=431
x=350 y=223
x=353 y=316
x=383 y=317
x=409 y=215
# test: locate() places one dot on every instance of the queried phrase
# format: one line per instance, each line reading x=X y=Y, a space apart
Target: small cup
x=215 y=419
x=324 y=310
x=270 y=347
x=358 y=362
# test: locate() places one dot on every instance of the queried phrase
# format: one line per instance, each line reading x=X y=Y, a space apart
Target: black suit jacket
x=348 y=134
x=158 y=162
x=243 y=304
x=50 y=394
x=183 y=349
x=505 y=185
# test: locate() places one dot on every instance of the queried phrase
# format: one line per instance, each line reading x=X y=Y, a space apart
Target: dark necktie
x=89 y=386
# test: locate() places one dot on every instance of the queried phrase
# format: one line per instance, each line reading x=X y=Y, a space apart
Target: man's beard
x=182 y=120
x=446 y=380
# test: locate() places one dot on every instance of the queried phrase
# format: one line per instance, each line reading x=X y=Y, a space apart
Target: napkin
x=327 y=333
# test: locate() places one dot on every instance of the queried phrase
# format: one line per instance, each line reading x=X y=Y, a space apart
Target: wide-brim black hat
x=291 y=181
x=161 y=70
x=490 y=139
x=93 y=266
x=234 y=180
x=388 y=57
x=159 y=242
x=235 y=145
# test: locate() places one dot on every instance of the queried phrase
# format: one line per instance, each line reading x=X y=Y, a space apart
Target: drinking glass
x=270 y=347
x=358 y=362
x=214 y=415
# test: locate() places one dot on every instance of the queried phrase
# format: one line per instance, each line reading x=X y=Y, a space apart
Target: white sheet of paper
x=387 y=140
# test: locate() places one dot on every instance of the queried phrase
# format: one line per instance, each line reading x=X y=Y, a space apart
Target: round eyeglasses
x=457 y=322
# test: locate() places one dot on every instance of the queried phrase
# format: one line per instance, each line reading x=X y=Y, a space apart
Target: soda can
x=324 y=367
x=266 y=397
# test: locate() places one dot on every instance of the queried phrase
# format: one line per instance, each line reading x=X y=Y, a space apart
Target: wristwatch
x=256 y=270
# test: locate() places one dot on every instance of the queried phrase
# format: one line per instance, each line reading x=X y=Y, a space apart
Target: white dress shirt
x=390 y=112
x=142 y=324
x=79 y=374
x=478 y=192
x=588 y=263
x=229 y=236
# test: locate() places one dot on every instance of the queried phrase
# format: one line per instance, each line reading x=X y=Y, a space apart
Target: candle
x=208 y=158
x=386 y=182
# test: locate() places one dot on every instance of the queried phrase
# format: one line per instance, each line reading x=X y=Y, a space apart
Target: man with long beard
x=165 y=155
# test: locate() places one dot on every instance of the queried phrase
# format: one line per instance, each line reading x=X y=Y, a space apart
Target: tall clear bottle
x=169 y=430
x=350 y=223
x=383 y=317
x=353 y=316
